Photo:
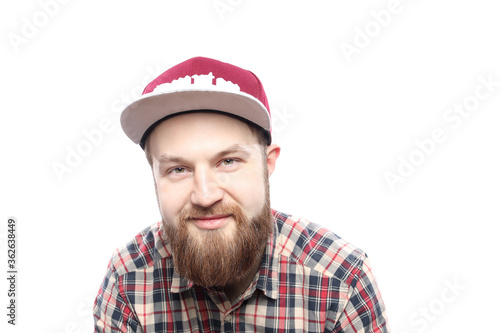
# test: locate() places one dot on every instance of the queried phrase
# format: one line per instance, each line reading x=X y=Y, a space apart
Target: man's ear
x=273 y=152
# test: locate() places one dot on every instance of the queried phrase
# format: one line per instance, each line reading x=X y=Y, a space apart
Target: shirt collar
x=267 y=281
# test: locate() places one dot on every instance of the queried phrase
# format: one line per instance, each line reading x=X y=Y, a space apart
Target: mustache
x=217 y=209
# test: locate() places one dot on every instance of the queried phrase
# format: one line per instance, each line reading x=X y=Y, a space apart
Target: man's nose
x=207 y=188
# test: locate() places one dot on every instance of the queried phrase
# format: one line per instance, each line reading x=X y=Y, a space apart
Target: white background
x=343 y=122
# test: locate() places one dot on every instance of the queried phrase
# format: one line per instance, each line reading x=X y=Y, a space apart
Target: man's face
x=212 y=188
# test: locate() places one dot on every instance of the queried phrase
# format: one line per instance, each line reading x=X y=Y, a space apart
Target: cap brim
x=137 y=117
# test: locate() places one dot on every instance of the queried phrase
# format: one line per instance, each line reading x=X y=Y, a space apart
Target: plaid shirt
x=310 y=280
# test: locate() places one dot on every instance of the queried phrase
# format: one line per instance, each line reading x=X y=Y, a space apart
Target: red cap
x=197 y=84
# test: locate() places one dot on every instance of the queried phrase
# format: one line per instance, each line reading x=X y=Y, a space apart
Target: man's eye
x=178 y=170
x=228 y=161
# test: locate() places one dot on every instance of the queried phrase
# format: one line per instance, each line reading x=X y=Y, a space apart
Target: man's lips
x=210 y=222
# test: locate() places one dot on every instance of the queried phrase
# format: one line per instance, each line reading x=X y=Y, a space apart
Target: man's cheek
x=250 y=197
x=167 y=212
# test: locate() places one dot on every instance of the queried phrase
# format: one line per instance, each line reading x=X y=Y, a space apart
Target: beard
x=212 y=258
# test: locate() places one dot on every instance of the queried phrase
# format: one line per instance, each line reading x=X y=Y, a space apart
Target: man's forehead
x=196 y=125
x=202 y=134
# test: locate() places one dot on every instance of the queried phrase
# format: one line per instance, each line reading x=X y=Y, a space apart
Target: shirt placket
x=224 y=306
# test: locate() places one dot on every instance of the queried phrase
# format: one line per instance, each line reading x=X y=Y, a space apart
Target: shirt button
x=228 y=317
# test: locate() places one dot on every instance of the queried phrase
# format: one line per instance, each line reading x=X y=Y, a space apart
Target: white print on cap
x=201 y=82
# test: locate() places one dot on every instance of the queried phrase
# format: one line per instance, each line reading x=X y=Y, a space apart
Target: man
x=221 y=260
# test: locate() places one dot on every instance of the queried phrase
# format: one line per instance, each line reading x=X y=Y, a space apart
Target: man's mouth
x=211 y=222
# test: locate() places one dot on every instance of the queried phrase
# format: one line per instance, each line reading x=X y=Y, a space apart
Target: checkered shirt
x=310 y=280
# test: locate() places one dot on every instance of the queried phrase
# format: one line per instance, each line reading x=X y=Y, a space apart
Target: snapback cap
x=197 y=84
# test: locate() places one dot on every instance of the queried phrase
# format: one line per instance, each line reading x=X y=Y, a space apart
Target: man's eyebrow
x=236 y=148
x=165 y=158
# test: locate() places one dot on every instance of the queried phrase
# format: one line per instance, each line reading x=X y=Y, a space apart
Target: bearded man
x=221 y=260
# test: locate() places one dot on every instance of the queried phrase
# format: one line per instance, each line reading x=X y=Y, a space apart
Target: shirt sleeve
x=112 y=313
x=365 y=310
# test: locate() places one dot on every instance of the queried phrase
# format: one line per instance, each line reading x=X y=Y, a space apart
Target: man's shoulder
x=317 y=248
x=141 y=252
